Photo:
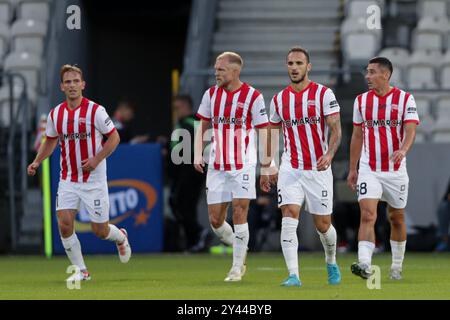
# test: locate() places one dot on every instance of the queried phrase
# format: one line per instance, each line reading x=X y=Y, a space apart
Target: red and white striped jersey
x=80 y=132
x=234 y=116
x=302 y=115
x=382 y=120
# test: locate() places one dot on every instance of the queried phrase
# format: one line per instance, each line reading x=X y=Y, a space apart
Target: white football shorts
x=391 y=187
x=94 y=196
x=224 y=186
x=314 y=188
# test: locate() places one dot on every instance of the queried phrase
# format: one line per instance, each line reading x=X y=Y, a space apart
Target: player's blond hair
x=232 y=57
x=70 y=68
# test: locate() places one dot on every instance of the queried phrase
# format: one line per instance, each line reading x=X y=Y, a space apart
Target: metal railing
x=15 y=117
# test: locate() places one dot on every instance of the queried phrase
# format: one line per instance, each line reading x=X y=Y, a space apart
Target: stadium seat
x=4 y=39
x=427 y=40
x=6 y=10
x=420 y=137
x=398 y=56
x=442 y=109
x=433 y=8
x=439 y=136
x=34 y=9
x=445 y=71
x=28 y=36
x=421 y=76
x=424 y=104
x=5 y=108
x=432 y=57
x=353 y=24
x=358 y=8
x=433 y=23
x=397 y=77
x=357 y=55
x=26 y=64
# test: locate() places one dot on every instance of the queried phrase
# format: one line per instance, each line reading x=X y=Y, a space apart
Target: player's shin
x=328 y=240
x=240 y=243
x=398 y=254
x=365 y=251
x=115 y=234
x=225 y=233
x=72 y=247
x=289 y=244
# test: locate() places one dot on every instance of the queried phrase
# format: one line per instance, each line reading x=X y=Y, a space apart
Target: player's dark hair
x=298 y=49
x=384 y=62
x=185 y=98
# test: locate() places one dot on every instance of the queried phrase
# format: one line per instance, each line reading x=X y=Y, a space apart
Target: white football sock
x=328 y=240
x=241 y=236
x=115 y=234
x=289 y=244
x=365 y=251
x=398 y=253
x=225 y=233
x=73 y=250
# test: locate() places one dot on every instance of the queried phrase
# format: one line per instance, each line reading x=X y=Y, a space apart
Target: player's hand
x=352 y=179
x=264 y=183
x=272 y=172
x=89 y=164
x=199 y=164
x=398 y=156
x=324 y=162
x=31 y=169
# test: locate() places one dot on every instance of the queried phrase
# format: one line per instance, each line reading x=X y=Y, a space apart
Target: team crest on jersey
x=240 y=105
x=311 y=103
x=395 y=106
x=82 y=120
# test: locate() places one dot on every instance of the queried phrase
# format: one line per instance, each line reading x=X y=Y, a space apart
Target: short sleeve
x=357 y=116
x=410 y=113
x=204 y=111
x=50 y=129
x=275 y=118
x=330 y=104
x=103 y=122
x=259 y=114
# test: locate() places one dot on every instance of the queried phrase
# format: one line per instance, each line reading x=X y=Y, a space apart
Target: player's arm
x=410 y=135
x=355 y=154
x=199 y=164
x=45 y=150
x=270 y=139
x=334 y=123
x=110 y=145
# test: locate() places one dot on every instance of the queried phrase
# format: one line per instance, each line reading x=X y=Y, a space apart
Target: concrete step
x=270 y=37
x=283 y=4
x=279 y=15
x=271 y=47
x=297 y=26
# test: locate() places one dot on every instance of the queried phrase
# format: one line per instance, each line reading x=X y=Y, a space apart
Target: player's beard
x=222 y=83
x=297 y=81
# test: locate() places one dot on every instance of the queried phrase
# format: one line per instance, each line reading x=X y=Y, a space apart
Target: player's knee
x=100 y=231
x=66 y=229
x=215 y=221
x=368 y=217
x=397 y=221
x=323 y=225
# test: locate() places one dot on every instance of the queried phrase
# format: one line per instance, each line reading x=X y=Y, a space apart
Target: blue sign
x=135 y=194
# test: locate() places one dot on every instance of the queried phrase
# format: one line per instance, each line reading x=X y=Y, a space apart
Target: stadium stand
x=24 y=26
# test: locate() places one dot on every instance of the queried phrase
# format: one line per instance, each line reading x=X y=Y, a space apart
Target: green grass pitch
x=163 y=276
